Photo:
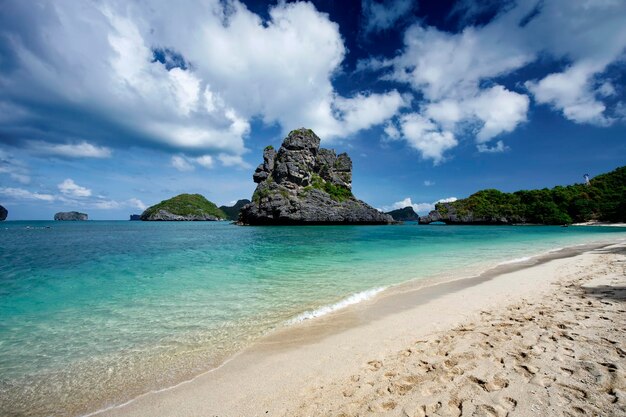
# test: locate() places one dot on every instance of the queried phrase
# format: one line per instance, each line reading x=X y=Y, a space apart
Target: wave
x=348 y=301
x=516 y=260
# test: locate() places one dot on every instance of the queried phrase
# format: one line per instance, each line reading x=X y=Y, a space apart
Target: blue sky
x=109 y=106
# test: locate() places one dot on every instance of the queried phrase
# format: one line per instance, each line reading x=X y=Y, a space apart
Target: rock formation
x=305 y=184
x=233 y=211
x=3 y=213
x=448 y=213
x=71 y=216
x=406 y=214
x=184 y=207
x=135 y=217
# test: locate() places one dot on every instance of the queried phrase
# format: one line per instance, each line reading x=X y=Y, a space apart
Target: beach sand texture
x=563 y=354
x=546 y=340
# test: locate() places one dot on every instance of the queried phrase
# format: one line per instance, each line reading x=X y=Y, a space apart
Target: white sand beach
x=522 y=340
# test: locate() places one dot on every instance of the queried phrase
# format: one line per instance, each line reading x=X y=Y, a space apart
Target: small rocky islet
x=303 y=184
x=184 y=207
x=405 y=214
x=233 y=211
x=3 y=213
x=70 y=216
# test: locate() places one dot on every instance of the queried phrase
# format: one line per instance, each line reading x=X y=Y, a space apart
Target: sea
x=95 y=313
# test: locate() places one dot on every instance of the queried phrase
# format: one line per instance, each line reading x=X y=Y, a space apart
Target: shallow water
x=95 y=313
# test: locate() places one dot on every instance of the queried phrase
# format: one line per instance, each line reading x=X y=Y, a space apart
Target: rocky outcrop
x=135 y=217
x=166 y=216
x=302 y=183
x=233 y=211
x=406 y=214
x=3 y=213
x=448 y=213
x=184 y=207
x=71 y=216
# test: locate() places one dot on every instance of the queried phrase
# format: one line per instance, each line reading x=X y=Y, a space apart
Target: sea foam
x=327 y=309
x=516 y=260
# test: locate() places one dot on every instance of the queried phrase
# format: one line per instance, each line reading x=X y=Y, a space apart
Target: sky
x=110 y=106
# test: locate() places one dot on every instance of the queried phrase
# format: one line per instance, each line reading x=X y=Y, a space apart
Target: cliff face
x=233 y=211
x=70 y=216
x=3 y=213
x=184 y=207
x=449 y=213
x=406 y=214
x=305 y=184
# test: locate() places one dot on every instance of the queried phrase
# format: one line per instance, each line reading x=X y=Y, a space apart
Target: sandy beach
x=543 y=337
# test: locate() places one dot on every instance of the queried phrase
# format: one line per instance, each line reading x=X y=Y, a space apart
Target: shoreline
x=399 y=300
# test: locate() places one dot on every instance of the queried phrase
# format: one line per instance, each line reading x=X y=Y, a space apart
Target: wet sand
x=544 y=337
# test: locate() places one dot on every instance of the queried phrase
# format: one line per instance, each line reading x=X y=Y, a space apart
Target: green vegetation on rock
x=233 y=211
x=336 y=192
x=186 y=205
x=604 y=199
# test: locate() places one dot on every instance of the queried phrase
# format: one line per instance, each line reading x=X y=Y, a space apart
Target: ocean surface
x=95 y=313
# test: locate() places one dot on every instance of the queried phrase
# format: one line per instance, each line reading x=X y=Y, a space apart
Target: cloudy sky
x=109 y=106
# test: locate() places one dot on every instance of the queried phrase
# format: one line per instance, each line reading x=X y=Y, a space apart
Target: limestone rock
x=184 y=207
x=70 y=216
x=405 y=214
x=302 y=183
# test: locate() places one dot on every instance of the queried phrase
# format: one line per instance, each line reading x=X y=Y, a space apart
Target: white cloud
x=571 y=92
x=71 y=189
x=105 y=204
x=424 y=135
x=606 y=89
x=181 y=163
x=417 y=207
x=21 y=194
x=429 y=183
x=233 y=160
x=500 y=111
x=219 y=65
x=70 y=150
x=361 y=112
x=136 y=203
x=379 y=16
x=205 y=161
x=14 y=168
x=457 y=73
x=497 y=148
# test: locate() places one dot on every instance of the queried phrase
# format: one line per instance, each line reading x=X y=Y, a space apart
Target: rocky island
x=233 y=211
x=405 y=214
x=303 y=184
x=184 y=207
x=603 y=198
x=3 y=214
x=70 y=216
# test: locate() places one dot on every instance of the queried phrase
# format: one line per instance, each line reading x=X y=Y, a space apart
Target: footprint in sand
x=497 y=383
x=374 y=365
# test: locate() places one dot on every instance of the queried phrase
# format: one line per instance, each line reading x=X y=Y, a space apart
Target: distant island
x=70 y=216
x=135 y=217
x=232 y=212
x=603 y=198
x=3 y=214
x=303 y=184
x=406 y=214
x=184 y=207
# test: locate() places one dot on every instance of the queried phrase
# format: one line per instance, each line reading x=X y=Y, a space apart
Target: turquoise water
x=95 y=313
